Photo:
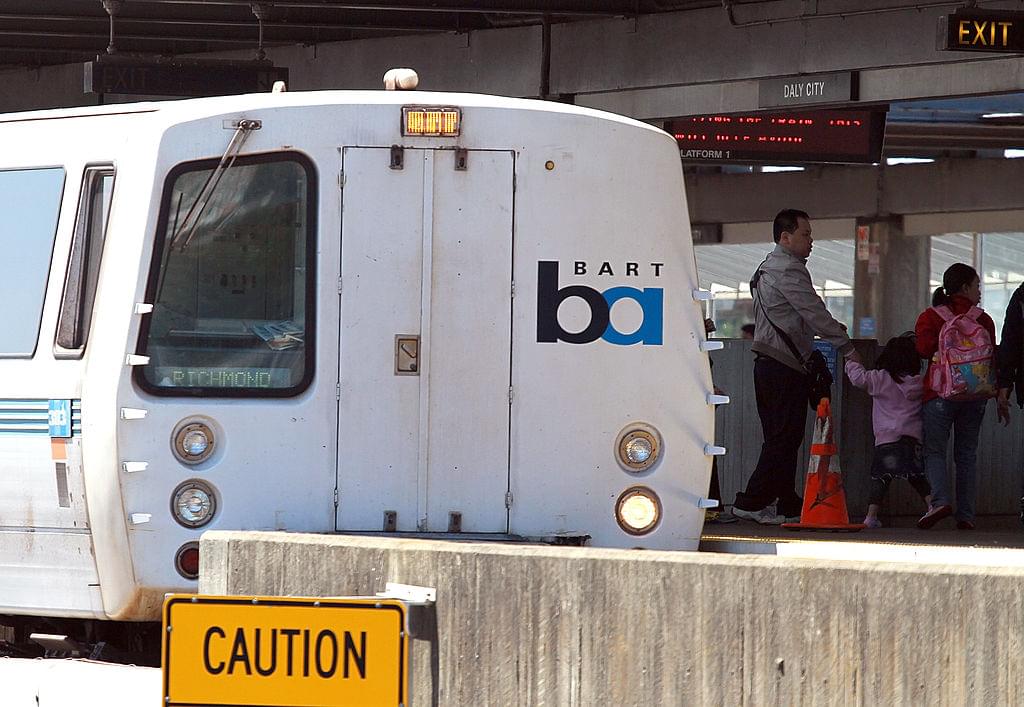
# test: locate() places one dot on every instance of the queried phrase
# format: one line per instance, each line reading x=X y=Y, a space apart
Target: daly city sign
x=284 y=652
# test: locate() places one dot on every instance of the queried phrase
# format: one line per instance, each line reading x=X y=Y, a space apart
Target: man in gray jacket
x=783 y=293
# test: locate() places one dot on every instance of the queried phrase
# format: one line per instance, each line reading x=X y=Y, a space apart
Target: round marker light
x=638 y=510
x=193 y=442
x=186 y=560
x=638 y=447
x=193 y=504
x=639 y=450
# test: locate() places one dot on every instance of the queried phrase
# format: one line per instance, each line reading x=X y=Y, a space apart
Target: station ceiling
x=38 y=33
x=35 y=33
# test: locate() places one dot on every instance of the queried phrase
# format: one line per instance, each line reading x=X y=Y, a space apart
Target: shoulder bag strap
x=785 y=337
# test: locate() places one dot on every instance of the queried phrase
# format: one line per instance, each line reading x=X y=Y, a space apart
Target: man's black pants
x=781 y=394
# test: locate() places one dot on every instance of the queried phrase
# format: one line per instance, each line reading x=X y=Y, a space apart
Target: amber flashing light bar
x=431 y=121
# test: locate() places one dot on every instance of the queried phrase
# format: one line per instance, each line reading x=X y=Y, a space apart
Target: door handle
x=407 y=355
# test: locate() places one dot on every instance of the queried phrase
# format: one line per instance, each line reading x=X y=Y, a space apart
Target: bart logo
x=550 y=297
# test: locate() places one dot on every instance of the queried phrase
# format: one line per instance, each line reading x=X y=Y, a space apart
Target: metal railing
x=738 y=429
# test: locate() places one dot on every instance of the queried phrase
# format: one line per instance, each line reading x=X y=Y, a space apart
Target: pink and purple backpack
x=962 y=366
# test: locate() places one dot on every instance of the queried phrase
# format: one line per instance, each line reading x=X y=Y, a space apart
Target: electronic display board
x=843 y=136
x=180 y=78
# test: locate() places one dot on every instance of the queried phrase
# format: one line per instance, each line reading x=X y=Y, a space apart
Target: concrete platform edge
x=579 y=626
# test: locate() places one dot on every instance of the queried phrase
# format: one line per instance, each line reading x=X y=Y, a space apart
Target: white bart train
x=390 y=312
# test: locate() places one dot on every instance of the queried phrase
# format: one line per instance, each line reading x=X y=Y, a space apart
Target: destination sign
x=815 y=89
x=180 y=78
x=840 y=136
x=239 y=377
x=974 y=30
x=284 y=652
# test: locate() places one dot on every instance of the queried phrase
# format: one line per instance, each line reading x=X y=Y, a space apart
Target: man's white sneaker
x=765 y=516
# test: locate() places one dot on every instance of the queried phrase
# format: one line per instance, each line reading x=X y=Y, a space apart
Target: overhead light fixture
x=996 y=116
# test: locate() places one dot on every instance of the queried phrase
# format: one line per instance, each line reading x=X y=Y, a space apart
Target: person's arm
x=1008 y=353
x=798 y=290
x=871 y=381
x=857 y=374
x=990 y=326
x=927 y=334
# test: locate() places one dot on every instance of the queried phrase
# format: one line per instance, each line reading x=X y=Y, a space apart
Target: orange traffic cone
x=824 y=499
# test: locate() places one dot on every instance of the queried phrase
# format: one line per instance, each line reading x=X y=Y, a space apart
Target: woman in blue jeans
x=960 y=294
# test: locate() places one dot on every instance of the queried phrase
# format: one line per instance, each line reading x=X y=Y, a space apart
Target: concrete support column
x=891 y=282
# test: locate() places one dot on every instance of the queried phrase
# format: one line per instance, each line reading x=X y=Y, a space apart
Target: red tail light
x=186 y=560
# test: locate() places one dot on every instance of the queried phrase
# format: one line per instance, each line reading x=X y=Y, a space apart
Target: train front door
x=425 y=348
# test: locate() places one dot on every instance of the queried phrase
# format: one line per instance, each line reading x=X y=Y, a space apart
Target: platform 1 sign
x=284 y=652
x=974 y=30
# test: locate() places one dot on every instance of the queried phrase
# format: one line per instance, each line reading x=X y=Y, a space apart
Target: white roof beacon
x=401 y=80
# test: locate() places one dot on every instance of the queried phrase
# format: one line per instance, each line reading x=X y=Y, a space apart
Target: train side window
x=232 y=280
x=30 y=207
x=84 y=262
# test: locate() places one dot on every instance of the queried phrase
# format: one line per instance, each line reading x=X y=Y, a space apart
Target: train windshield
x=232 y=281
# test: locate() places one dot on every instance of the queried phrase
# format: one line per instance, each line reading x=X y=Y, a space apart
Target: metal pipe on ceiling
x=11 y=17
x=916 y=135
x=136 y=37
x=384 y=7
x=730 y=5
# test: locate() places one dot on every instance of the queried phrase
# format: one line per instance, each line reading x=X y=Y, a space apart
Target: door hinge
x=341 y=179
x=339 y=284
x=337 y=390
x=508 y=498
x=335 y=496
x=397 y=157
x=510 y=395
x=513 y=288
x=513 y=182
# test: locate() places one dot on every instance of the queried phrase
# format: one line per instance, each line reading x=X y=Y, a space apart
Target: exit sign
x=982 y=31
x=180 y=78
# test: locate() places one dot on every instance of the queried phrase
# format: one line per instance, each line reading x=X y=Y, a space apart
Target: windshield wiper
x=187 y=228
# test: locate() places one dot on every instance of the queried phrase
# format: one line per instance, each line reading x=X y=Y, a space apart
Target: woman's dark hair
x=954 y=280
x=899 y=358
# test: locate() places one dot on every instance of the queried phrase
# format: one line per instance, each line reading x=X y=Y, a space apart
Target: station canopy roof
x=42 y=32
x=36 y=33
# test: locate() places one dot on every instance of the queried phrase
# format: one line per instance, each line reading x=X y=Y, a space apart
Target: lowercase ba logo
x=550 y=297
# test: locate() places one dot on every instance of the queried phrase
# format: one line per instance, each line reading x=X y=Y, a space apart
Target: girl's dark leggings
x=880 y=486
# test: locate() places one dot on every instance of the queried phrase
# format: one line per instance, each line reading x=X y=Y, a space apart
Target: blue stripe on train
x=34 y=416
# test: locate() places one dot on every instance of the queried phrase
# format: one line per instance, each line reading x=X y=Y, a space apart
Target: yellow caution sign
x=284 y=652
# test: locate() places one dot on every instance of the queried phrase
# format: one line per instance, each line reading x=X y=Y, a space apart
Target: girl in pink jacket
x=895 y=388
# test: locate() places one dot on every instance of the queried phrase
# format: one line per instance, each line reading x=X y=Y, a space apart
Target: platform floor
x=998 y=542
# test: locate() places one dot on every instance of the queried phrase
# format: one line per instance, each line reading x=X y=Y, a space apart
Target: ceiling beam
x=835 y=191
x=592 y=8
x=34 y=19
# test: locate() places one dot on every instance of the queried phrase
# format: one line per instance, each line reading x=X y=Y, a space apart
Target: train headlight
x=193 y=503
x=638 y=447
x=638 y=450
x=638 y=510
x=193 y=442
